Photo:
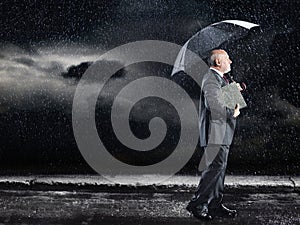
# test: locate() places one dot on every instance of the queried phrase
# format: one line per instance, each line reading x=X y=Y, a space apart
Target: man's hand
x=239 y=87
x=236 y=111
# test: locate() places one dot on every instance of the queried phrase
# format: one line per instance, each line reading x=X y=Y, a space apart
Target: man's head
x=219 y=60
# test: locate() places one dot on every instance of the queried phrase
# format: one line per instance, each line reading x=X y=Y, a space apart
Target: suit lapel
x=220 y=80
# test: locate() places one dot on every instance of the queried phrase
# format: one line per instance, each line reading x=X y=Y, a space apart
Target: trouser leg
x=211 y=185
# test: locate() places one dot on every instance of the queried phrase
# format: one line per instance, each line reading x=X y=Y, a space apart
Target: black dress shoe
x=223 y=211
x=200 y=212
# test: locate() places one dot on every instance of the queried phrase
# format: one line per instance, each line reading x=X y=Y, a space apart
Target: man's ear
x=216 y=62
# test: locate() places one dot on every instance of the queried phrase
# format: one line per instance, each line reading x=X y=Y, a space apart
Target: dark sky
x=115 y=22
x=41 y=40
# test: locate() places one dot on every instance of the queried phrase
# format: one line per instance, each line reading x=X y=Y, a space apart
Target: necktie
x=226 y=80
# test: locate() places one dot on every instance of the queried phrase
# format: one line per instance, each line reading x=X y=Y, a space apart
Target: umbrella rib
x=212 y=39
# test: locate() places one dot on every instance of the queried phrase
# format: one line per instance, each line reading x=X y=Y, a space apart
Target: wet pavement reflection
x=87 y=207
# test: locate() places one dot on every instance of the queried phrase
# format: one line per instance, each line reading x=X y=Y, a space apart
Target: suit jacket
x=216 y=121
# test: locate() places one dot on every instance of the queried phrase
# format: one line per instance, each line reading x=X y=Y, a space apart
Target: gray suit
x=217 y=125
x=216 y=122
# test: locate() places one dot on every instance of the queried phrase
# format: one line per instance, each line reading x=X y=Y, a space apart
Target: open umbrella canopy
x=209 y=38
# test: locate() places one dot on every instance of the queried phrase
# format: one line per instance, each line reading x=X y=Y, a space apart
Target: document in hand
x=231 y=96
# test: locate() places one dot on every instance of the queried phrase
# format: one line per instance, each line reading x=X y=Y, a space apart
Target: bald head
x=215 y=54
x=219 y=60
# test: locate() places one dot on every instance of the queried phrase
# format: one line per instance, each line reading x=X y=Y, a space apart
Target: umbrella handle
x=243 y=85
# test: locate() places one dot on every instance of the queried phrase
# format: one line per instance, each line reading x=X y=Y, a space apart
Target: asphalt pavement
x=86 y=199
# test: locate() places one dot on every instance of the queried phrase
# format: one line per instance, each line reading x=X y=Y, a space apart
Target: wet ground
x=140 y=207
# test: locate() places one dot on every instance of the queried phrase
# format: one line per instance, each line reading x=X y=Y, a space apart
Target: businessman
x=217 y=124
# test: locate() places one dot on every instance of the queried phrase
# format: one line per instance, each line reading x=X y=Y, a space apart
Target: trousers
x=211 y=185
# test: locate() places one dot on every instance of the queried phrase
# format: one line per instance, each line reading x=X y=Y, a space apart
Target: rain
x=47 y=49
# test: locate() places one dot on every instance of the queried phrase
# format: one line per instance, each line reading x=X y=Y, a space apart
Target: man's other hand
x=236 y=111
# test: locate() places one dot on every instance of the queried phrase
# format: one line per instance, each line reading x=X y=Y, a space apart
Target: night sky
x=47 y=46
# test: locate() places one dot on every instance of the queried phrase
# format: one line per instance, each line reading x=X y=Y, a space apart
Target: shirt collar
x=220 y=73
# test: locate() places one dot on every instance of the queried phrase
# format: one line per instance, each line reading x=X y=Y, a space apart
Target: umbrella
x=209 y=38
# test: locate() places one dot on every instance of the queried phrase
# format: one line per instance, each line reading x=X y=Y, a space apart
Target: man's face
x=224 y=62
